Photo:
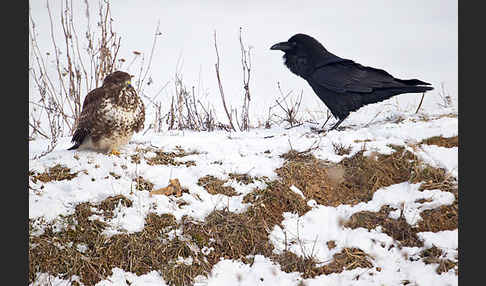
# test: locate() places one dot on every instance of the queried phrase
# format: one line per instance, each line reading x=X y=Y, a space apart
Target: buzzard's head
x=118 y=78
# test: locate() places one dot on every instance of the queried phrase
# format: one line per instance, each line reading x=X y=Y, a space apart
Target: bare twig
x=420 y=104
x=221 y=92
x=246 y=66
x=291 y=111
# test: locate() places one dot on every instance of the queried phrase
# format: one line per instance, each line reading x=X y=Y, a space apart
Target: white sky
x=409 y=39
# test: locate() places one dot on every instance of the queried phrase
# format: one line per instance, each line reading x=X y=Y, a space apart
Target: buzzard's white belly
x=119 y=115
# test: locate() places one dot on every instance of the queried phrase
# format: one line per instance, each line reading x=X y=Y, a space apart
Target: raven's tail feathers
x=412 y=82
x=386 y=93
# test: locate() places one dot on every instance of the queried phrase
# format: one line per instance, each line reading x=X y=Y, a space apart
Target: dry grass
x=233 y=236
x=290 y=262
x=169 y=158
x=240 y=236
x=215 y=186
x=143 y=184
x=398 y=229
x=356 y=179
x=347 y=259
x=434 y=255
x=331 y=244
x=57 y=253
x=161 y=157
x=341 y=149
x=55 y=173
x=109 y=204
x=442 y=141
x=294 y=155
x=439 y=219
x=245 y=178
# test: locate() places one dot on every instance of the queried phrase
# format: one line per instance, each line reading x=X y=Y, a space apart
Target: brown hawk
x=110 y=115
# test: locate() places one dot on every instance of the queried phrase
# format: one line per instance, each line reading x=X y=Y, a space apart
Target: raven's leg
x=337 y=124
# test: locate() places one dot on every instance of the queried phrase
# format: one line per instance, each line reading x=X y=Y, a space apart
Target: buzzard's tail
x=75 y=146
x=78 y=137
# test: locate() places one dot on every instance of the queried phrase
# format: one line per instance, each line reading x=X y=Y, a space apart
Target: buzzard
x=110 y=115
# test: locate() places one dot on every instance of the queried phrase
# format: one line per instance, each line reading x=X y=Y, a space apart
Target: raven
x=342 y=84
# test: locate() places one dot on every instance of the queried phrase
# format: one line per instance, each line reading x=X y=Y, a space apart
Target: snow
x=120 y=277
x=307 y=235
x=441 y=157
x=245 y=152
x=262 y=272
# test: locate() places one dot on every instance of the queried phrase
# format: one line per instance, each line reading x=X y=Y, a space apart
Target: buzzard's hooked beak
x=129 y=83
x=283 y=46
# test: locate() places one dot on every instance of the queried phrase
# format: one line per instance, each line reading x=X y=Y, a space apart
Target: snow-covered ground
x=423 y=34
x=257 y=153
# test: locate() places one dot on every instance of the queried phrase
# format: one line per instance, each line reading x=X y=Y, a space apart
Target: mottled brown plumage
x=110 y=115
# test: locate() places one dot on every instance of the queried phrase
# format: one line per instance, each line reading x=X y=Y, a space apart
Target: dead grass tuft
x=114 y=175
x=161 y=157
x=294 y=155
x=290 y=262
x=55 y=173
x=136 y=158
x=331 y=244
x=439 y=219
x=442 y=141
x=434 y=220
x=433 y=255
x=109 y=204
x=244 y=178
x=444 y=217
x=398 y=229
x=341 y=150
x=169 y=158
x=143 y=184
x=347 y=259
x=215 y=186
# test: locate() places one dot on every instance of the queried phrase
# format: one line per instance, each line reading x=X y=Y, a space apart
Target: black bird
x=342 y=84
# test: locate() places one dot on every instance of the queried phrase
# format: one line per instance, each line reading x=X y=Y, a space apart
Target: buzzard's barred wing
x=88 y=114
x=141 y=118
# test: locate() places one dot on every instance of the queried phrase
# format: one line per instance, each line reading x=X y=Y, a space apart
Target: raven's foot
x=337 y=124
x=318 y=130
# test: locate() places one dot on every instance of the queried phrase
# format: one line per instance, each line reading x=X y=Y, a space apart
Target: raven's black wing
x=348 y=76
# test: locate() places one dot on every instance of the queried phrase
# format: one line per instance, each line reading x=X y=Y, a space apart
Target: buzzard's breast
x=121 y=116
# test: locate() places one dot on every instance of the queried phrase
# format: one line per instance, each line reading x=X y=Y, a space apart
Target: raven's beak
x=283 y=46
